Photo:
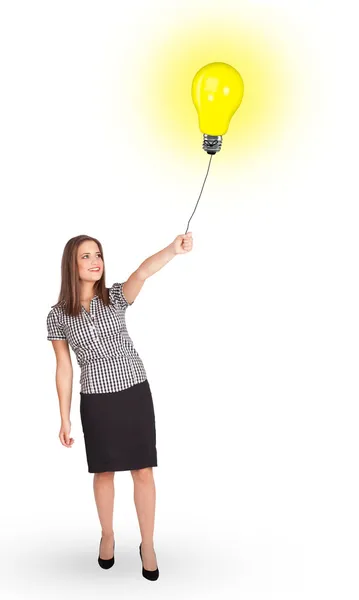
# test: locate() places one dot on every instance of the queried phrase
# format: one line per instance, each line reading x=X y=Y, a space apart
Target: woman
x=116 y=407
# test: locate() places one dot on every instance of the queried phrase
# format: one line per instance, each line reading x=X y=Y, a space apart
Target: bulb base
x=212 y=143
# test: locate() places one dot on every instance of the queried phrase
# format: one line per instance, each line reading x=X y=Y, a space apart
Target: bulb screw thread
x=212 y=143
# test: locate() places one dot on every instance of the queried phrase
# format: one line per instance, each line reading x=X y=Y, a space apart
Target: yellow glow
x=164 y=73
x=217 y=91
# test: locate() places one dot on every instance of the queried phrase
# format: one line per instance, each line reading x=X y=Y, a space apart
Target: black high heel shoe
x=151 y=575
x=106 y=563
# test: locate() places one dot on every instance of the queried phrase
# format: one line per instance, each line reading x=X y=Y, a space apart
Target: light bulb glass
x=217 y=91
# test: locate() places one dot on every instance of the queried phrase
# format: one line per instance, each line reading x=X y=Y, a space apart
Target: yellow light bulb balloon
x=217 y=91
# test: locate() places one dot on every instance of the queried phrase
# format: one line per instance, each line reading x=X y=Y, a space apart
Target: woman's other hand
x=64 y=434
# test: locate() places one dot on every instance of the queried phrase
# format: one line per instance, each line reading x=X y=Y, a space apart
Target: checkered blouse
x=104 y=350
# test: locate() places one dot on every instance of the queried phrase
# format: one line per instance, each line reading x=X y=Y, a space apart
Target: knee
x=104 y=475
x=142 y=475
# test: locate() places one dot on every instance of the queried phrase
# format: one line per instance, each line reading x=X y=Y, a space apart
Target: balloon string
x=209 y=164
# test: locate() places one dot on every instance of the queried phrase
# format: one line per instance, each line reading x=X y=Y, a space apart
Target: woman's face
x=89 y=257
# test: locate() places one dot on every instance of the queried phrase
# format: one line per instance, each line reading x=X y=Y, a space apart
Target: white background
x=250 y=341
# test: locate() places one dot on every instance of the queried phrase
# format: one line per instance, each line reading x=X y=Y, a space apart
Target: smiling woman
x=116 y=405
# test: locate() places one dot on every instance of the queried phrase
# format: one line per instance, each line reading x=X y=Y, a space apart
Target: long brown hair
x=69 y=297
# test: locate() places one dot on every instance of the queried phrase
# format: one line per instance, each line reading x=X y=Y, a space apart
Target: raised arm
x=181 y=245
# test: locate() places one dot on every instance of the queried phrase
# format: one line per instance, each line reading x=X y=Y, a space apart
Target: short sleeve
x=54 y=327
x=117 y=296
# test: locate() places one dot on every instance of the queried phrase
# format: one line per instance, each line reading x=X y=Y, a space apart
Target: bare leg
x=104 y=490
x=145 y=501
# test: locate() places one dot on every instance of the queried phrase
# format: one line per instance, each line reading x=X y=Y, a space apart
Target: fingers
x=187 y=242
x=65 y=439
x=187 y=238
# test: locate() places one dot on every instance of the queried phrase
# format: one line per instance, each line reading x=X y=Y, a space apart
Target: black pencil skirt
x=119 y=429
